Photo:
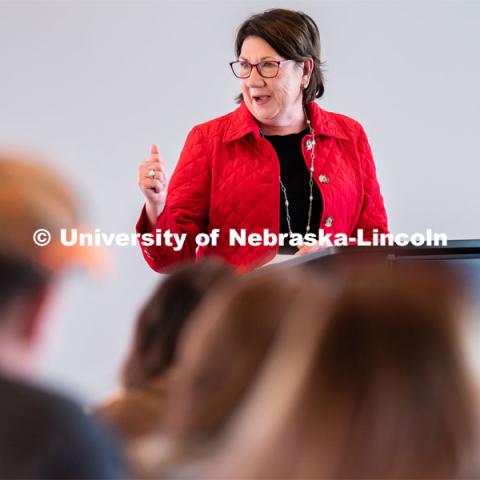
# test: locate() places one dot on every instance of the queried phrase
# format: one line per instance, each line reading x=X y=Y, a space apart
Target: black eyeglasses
x=266 y=69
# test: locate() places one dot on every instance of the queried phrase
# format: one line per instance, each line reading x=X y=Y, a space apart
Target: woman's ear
x=307 y=71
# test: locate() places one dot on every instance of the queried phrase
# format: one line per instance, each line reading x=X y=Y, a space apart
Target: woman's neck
x=294 y=124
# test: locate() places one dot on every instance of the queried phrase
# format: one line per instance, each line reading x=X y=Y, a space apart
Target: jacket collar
x=242 y=123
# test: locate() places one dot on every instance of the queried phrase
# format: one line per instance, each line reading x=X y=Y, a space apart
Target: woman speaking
x=278 y=163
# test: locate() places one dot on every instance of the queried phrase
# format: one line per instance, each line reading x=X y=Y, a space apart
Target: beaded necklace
x=310 y=181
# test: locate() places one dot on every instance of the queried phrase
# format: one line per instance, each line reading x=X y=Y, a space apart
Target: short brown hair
x=293 y=35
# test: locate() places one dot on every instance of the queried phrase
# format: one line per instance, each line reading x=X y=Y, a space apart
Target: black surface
x=455 y=249
x=46 y=436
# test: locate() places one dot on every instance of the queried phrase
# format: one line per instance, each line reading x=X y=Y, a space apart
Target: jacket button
x=324 y=178
x=309 y=144
x=329 y=221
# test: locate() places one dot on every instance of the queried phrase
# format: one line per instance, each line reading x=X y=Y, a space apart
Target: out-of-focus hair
x=230 y=341
x=386 y=394
x=162 y=319
x=34 y=196
x=225 y=348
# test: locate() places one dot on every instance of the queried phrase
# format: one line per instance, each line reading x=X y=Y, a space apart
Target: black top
x=295 y=176
x=44 y=435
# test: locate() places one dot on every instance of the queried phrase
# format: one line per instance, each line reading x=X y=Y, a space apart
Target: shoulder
x=216 y=126
x=211 y=129
x=47 y=412
x=348 y=124
x=232 y=126
x=336 y=124
x=59 y=425
x=47 y=404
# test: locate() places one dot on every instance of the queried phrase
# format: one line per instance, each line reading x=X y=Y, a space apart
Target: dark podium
x=456 y=250
x=462 y=256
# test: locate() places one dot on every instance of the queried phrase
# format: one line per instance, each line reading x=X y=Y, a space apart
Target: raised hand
x=152 y=181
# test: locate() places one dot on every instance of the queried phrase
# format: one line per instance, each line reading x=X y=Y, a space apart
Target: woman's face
x=272 y=101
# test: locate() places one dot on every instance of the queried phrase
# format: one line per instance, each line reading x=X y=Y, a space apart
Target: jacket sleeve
x=372 y=214
x=187 y=206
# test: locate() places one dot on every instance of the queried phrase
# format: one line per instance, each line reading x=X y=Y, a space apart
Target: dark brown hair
x=164 y=316
x=293 y=35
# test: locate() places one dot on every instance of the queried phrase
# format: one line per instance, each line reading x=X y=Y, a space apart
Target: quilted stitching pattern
x=227 y=177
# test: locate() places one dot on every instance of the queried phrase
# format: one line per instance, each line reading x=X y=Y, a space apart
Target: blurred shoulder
x=65 y=438
x=47 y=403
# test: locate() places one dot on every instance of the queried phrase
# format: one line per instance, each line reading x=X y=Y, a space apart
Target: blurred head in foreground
x=222 y=352
x=385 y=392
x=147 y=373
x=225 y=347
x=32 y=196
x=42 y=434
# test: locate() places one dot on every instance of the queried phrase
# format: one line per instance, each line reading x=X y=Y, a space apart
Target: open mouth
x=261 y=99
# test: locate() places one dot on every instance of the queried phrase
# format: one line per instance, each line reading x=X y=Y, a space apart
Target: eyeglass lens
x=265 y=69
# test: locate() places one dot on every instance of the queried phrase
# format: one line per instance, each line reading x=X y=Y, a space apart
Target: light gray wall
x=94 y=83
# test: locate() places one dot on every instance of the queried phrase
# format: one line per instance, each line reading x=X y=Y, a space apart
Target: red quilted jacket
x=228 y=178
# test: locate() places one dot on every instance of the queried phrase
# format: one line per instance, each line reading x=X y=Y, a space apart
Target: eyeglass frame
x=252 y=65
